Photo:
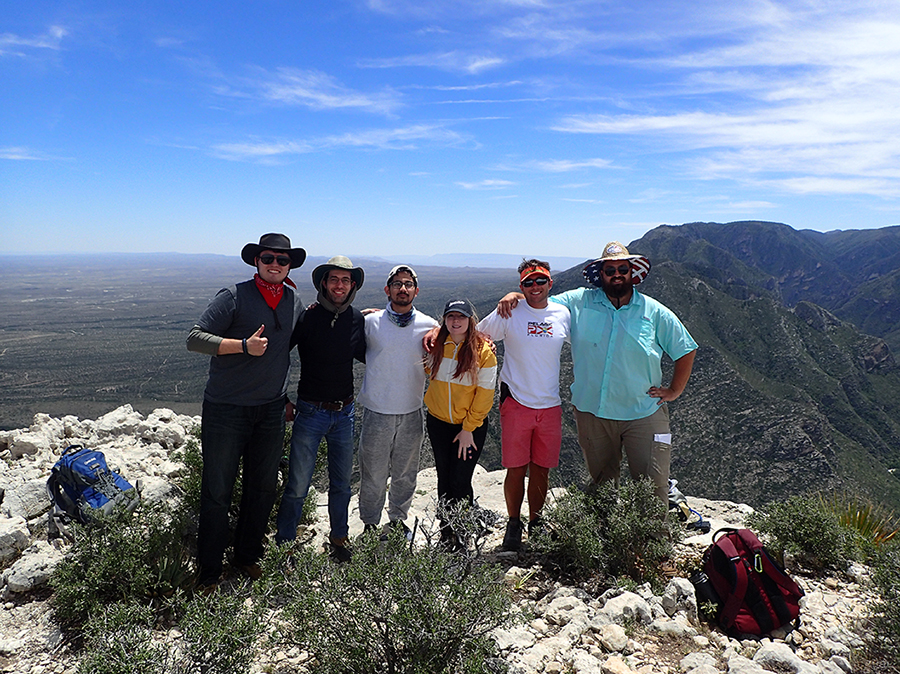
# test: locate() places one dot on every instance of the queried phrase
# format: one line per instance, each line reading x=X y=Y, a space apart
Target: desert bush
x=121 y=557
x=609 y=531
x=805 y=528
x=220 y=634
x=392 y=609
x=119 y=640
x=884 y=625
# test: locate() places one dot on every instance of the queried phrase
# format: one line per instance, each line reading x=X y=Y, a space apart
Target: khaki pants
x=647 y=443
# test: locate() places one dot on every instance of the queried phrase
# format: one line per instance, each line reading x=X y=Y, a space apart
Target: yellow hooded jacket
x=467 y=400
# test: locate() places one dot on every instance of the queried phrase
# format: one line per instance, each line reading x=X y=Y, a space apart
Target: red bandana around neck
x=271 y=292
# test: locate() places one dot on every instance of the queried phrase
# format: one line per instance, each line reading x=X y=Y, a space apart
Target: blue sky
x=386 y=127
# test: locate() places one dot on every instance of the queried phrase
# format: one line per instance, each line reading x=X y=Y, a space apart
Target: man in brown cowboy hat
x=328 y=336
x=246 y=330
x=618 y=338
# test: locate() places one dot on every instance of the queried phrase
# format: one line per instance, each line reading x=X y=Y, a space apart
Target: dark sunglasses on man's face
x=283 y=260
x=542 y=281
x=612 y=271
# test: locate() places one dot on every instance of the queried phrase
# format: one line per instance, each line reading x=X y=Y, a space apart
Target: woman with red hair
x=463 y=371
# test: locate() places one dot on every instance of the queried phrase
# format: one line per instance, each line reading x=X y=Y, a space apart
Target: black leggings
x=454 y=475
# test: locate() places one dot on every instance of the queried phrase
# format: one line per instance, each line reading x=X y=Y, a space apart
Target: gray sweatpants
x=389 y=446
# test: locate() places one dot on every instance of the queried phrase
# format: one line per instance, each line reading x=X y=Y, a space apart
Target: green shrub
x=608 y=532
x=188 y=480
x=220 y=633
x=119 y=640
x=884 y=627
x=393 y=610
x=805 y=528
x=123 y=557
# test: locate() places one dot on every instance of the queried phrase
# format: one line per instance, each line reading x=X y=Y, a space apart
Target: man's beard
x=403 y=303
x=615 y=291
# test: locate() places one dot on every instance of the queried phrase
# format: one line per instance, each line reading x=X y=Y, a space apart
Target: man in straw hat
x=618 y=338
x=328 y=336
x=246 y=330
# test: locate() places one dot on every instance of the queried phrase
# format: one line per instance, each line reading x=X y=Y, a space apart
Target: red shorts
x=529 y=435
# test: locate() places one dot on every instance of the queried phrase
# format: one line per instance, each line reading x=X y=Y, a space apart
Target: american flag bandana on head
x=613 y=251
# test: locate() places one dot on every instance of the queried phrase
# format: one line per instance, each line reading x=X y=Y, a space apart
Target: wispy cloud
x=817 y=91
x=568 y=165
x=311 y=89
x=278 y=151
x=487 y=185
x=12 y=44
x=21 y=154
x=455 y=61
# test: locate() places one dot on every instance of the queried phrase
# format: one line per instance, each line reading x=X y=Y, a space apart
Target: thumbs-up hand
x=256 y=343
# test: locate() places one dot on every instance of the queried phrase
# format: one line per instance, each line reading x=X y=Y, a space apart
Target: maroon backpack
x=755 y=593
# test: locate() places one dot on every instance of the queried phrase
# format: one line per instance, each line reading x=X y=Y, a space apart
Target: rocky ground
x=562 y=629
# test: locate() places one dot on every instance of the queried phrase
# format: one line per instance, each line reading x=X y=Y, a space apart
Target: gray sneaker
x=400 y=527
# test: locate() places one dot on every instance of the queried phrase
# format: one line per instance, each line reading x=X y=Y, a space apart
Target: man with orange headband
x=530 y=407
x=619 y=336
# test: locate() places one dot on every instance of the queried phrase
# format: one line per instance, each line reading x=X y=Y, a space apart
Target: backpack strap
x=765 y=562
x=736 y=598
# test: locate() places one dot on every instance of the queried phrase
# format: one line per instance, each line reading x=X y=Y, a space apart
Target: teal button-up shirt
x=616 y=353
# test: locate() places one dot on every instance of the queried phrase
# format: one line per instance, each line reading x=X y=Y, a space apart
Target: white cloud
x=455 y=61
x=567 y=165
x=20 y=153
x=11 y=43
x=320 y=91
x=402 y=138
x=487 y=185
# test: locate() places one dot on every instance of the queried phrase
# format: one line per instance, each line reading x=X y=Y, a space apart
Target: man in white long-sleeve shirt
x=393 y=422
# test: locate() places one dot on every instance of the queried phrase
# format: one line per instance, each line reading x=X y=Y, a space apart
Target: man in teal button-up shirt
x=618 y=339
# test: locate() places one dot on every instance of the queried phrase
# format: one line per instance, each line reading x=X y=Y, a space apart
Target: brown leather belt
x=331 y=406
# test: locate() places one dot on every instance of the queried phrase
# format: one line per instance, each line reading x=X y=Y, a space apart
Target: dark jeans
x=233 y=435
x=454 y=475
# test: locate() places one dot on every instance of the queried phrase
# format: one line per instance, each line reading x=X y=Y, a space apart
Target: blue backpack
x=81 y=485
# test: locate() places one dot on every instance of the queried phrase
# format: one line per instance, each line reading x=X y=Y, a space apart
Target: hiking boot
x=512 y=540
x=450 y=541
x=399 y=527
x=206 y=587
x=251 y=571
x=535 y=527
x=339 y=549
x=369 y=529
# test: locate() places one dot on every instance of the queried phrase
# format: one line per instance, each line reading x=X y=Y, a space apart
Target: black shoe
x=339 y=549
x=512 y=540
x=251 y=571
x=370 y=529
x=450 y=541
x=398 y=526
x=535 y=527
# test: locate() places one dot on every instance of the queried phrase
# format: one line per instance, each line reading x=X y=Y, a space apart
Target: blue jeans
x=233 y=436
x=311 y=424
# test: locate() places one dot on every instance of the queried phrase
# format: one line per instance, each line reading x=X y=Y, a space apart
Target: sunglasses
x=283 y=260
x=621 y=269
x=542 y=281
